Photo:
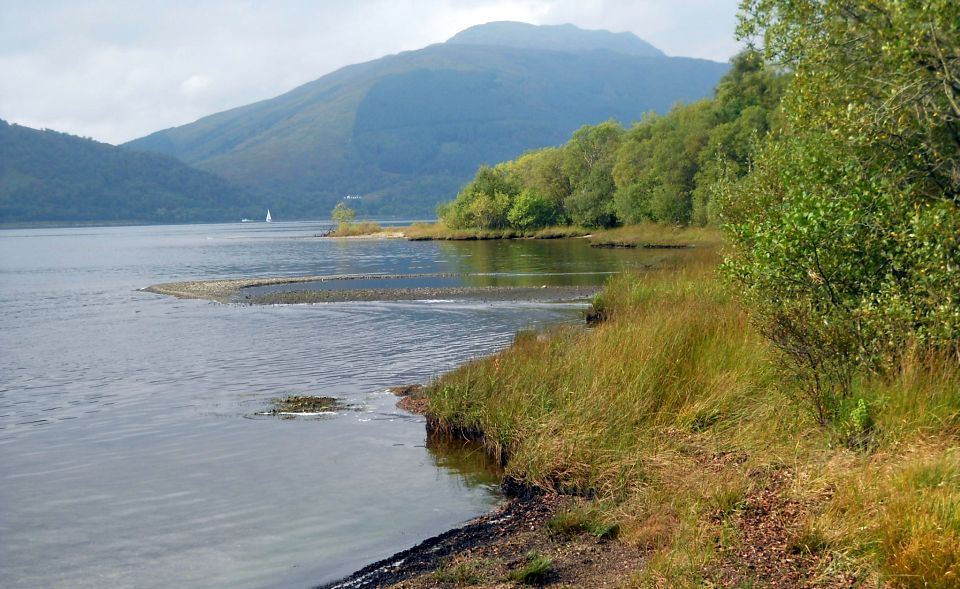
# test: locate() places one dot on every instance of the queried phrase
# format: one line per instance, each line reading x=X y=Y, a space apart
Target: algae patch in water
x=305 y=405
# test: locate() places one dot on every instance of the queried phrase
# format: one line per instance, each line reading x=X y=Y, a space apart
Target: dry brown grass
x=654 y=235
x=356 y=229
x=673 y=413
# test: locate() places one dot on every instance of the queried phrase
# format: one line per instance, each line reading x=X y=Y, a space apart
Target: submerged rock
x=412 y=398
x=305 y=405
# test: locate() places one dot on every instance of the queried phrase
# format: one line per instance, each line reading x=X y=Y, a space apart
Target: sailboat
x=269 y=218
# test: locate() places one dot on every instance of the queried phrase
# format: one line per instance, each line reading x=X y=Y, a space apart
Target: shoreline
x=495 y=545
x=519 y=512
x=231 y=291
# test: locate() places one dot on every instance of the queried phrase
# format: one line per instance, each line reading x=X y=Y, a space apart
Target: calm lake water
x=131 y=454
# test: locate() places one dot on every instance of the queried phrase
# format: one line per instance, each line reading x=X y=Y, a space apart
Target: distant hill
x=406 y=131
x=567 y=38
x=47 y=176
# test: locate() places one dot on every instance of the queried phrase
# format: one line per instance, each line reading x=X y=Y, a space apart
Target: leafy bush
x=846 y=232
x=530 y=210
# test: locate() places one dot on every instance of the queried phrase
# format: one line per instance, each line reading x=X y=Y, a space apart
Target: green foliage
x=846 y=232
x=858 y=430
x=530 y=210
x=657 y=165
x=485 y=202
x=342 y=215
x=663 y=169
x=542 y=172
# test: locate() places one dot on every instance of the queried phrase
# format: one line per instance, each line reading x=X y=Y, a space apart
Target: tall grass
x=356 y=229
x=653 y=235
x=586 y=409
x=674 y=412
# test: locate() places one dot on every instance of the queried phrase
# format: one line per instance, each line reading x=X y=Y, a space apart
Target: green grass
x=583 y=520
x=648 y=235
x=673 y=413
x=534 y=572
x=462 y=572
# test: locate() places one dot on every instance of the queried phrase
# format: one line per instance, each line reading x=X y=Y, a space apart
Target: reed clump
x=674 y=414
x=356 y=229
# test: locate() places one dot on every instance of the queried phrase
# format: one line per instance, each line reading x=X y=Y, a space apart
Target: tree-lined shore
x=784 y=411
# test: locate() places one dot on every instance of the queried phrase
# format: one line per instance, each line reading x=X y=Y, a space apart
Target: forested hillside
x=406 y=131
x=47 y=176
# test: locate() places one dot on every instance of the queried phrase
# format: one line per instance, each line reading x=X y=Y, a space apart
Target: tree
x=846 y=231
x=542 y=171
x=588 y=163
x=484 y=202
x=530 y=211
x=657 y=163
x=343 y=216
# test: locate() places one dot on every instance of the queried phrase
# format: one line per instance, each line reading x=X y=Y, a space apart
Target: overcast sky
x=115 y=70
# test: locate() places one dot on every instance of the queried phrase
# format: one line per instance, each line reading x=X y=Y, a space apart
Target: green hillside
x=47 y=176
x=406 y=131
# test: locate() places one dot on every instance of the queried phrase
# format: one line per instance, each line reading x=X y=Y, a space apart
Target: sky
x=115 y=70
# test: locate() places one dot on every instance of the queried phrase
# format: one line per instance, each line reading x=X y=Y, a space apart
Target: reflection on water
x=485 y=263
x=127 y=460
x=467 y=458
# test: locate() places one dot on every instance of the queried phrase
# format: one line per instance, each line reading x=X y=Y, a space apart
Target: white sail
x=269 y=218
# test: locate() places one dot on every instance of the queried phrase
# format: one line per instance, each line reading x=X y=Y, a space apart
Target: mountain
x=567 y=38
x=47 y=176
x=407 y=130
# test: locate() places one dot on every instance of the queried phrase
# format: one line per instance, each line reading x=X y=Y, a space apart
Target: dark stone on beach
x=521 y=512
x=594 y=316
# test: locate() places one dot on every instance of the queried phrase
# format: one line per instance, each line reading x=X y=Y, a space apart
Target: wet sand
x=232 y=291
x=461 y=293
x=221 y=291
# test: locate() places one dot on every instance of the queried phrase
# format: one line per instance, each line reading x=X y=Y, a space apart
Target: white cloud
x=194 y=86
x=119 y=69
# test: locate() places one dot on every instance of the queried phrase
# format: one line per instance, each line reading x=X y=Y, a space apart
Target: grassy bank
x=651 y=235
x=654 y=235
x=439 y=231
x=674 y=420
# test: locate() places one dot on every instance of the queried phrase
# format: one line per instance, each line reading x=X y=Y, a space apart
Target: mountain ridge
x=566 y=38
x=407 y=130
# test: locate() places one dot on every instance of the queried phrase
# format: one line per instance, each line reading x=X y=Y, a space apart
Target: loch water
x=131 y=449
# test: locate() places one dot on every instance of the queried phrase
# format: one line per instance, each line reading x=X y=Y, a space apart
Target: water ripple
x=122 y=436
